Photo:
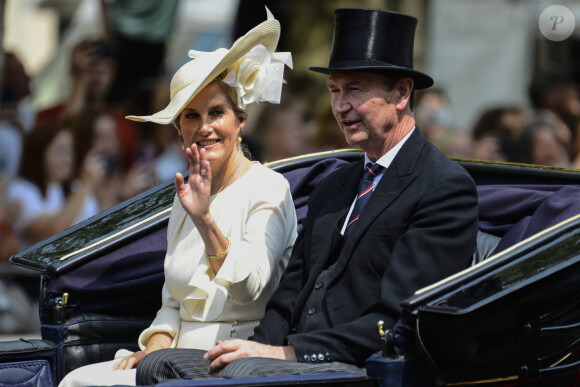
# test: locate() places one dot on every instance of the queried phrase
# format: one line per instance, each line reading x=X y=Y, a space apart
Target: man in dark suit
x=352 y=266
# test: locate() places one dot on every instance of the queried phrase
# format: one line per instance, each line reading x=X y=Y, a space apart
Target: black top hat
x=374 y=41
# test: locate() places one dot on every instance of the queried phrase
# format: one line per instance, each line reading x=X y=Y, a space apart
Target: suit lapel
x=323 y=226
x=395 y=180
x=333 y=212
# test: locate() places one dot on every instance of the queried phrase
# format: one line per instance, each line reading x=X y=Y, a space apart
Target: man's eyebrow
x=353 y=82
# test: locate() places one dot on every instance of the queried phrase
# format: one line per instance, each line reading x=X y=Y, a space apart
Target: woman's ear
x=176 y=124
x=404 y=87
x=241 y=122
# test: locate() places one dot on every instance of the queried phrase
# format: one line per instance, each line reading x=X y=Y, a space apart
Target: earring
x=182 y=147
x=239 y=138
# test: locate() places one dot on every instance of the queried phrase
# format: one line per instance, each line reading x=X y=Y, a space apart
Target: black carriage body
x=101 y=283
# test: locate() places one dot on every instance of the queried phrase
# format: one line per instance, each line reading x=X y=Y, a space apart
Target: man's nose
x=341 y=104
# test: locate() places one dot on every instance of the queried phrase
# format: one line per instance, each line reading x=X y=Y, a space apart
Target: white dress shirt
x=384 y=161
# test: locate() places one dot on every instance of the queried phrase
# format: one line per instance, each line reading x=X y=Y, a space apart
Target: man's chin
x=355 y=141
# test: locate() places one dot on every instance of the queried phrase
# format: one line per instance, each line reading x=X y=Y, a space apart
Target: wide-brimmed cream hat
x=193 y=76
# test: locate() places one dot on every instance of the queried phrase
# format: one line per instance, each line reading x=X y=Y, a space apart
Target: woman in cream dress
x=232 y=225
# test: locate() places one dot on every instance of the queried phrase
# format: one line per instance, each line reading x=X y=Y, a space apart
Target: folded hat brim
x=266 y=33
x=422 y=80
x=213 y=66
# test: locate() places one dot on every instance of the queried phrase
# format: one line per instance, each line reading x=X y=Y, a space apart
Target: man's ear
x=404 y=87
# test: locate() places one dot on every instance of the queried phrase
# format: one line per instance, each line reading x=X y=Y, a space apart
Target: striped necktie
x=365 y=189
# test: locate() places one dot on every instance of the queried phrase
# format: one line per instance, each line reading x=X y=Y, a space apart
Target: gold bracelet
x=220 y=255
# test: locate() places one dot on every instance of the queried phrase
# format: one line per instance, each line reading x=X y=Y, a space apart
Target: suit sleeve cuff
x=309 y=353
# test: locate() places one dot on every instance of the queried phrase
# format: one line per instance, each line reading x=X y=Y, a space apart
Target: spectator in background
x=495 y=133
x=285 y=129
x=140 y=30
x=15 y=85
x=560 y=95
x=16 y=96
x=96 y=135
x=456 y=143
x=434 y=117
x=541 y=145
x=17 y=308
x=47 y=200
x=575 y=148
x=326 y=134
x=169 y=154
x=92 y=69
x=9 y=242
x=433 y=114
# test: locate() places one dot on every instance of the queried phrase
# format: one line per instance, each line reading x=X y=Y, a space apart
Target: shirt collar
x=387 y=158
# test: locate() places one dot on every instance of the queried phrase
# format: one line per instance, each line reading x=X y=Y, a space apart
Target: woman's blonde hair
x=231 y=96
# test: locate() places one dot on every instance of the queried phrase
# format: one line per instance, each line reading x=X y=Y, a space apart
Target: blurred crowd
x=78 y=158
x=65 y=163
x=546 y=132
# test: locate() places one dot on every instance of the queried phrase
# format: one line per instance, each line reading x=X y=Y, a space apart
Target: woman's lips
x=207 y=143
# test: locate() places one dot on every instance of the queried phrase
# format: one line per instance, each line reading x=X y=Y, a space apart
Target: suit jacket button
x=313 y=357
x=320 y=357
x=306 y=357
x=318 y=285
x=311 y=311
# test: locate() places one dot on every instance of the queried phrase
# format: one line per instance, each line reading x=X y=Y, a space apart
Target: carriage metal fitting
x=62 y=301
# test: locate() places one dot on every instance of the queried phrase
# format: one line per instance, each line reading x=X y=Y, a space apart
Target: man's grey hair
x=389 y=81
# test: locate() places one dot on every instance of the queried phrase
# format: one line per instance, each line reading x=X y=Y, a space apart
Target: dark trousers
x=171 y=364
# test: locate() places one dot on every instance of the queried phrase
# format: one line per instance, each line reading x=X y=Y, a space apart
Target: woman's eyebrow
x=220 y=105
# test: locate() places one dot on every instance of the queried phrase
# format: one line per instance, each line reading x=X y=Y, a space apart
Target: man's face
x=365 y=111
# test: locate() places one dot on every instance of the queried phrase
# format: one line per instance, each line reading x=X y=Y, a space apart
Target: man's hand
x=228 y=351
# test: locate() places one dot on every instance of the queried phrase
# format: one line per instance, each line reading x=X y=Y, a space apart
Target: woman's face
x=105 y=139
x=59 y=157
x=210 y=122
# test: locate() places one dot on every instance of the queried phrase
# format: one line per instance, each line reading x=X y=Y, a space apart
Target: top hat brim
x=421 y=80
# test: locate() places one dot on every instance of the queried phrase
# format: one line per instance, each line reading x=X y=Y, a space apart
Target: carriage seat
x=485 y=246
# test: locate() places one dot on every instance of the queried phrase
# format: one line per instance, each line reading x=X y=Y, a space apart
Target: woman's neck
x=228 y=174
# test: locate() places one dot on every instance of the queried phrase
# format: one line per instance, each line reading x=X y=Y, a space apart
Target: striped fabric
x=171 y=364
x=365 y=189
